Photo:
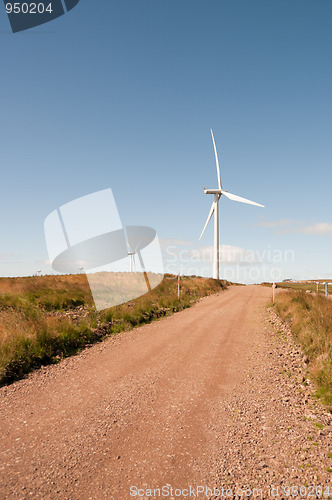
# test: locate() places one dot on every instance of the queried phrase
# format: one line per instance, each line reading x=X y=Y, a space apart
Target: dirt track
x=147 y=408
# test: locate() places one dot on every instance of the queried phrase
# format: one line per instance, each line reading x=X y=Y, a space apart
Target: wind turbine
x=131 y=254
x=215 y=209
x=139 y=237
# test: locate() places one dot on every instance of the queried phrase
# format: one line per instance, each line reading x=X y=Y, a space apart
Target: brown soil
x=193 y=399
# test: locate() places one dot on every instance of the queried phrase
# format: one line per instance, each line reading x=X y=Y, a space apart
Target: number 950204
x=28 y=8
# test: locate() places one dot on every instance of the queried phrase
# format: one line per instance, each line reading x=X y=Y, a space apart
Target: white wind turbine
x=131 y=254
x=215 y=209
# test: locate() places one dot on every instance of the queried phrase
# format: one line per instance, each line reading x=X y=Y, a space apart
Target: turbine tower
x=215 y=209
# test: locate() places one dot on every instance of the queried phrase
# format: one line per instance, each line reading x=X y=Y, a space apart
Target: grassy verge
x=312 y=287
x=48 y=318
x=310 y=319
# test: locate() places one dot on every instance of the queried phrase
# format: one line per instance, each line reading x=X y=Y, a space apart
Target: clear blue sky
x=123 y=94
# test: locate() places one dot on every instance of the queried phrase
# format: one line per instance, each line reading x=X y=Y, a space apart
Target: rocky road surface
x=207 y=403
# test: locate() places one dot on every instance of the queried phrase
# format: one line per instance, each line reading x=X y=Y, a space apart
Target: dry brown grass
x=30 y=337
x=310 y=318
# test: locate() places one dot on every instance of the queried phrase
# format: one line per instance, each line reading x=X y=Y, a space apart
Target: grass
x=310 y=319
x=303 y=287
x=37 y=328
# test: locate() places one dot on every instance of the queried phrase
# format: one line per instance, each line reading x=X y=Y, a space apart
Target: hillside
x=44 y=319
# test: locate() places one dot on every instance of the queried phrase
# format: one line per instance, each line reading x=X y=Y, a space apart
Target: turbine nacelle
x=213 y=191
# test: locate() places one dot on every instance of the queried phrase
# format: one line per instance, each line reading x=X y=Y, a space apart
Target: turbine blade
x=234 y=197
x=217 y=161
x=209 y=217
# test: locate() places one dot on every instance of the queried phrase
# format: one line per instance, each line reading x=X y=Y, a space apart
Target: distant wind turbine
x=136 y=241
x=215 y=209
x=131 y=254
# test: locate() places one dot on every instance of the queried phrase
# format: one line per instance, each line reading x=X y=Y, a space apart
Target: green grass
x=310 y=319
x=35 y=328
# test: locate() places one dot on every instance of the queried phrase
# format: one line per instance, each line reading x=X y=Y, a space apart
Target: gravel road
x=209 y=397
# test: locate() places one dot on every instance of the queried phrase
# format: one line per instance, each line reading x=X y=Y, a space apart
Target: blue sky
x=123 y=95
